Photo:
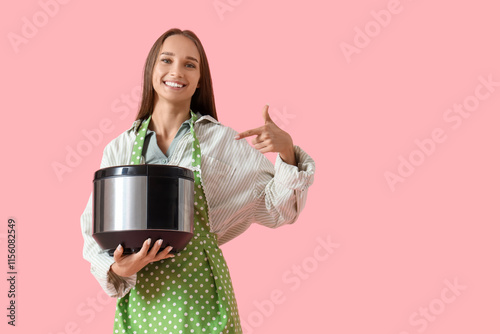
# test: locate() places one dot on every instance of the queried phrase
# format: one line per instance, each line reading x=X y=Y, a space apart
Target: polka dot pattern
x=135 y=158
x=190 y=293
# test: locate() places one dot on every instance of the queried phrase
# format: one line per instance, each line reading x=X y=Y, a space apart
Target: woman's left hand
x=270 y=138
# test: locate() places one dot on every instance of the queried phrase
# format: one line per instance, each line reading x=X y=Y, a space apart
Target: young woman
x=235 y=186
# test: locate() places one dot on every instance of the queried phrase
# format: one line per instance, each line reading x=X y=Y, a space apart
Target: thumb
x=265 y=114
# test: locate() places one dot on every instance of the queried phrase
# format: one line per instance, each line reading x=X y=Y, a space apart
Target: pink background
x=397 y=249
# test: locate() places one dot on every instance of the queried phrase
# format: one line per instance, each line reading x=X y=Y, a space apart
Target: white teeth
x=173 y=84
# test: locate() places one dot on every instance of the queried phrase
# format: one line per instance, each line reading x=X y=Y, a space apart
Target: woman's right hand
x=128 y=265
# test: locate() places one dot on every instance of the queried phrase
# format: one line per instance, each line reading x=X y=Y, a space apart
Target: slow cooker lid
x=145 y=170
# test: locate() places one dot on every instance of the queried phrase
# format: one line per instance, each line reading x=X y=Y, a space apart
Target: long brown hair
x=202 y=100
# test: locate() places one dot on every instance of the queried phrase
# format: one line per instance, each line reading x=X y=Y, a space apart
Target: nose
x=176 y=70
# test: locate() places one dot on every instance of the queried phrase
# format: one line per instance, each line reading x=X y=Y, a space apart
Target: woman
x=191 y=291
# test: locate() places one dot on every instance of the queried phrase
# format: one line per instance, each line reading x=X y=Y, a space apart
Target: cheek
x=155 y=82
x=156 y=78
x=156 y=75
x=197 y=79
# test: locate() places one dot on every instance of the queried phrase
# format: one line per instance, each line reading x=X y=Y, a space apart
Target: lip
x=176 y=82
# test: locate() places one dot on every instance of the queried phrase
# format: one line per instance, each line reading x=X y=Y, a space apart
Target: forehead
x=181 y=46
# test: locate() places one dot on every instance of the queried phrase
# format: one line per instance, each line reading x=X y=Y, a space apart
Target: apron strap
x=136 y=158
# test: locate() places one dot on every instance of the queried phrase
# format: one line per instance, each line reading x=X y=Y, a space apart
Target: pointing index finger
x=253 y=132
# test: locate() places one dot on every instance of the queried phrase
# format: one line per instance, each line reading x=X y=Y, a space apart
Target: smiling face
x=176 y=73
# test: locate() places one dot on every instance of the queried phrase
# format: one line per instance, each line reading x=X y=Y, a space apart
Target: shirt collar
x=137 y=124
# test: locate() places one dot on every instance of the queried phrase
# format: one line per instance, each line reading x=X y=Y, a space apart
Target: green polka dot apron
x=189 y=293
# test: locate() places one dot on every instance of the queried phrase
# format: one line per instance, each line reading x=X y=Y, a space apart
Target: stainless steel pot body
x=134 y=203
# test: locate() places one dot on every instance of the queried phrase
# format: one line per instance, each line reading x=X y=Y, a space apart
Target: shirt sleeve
x=282 y=193
x=100 y=262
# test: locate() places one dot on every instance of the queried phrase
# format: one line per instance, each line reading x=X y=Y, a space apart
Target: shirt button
x=164 y=161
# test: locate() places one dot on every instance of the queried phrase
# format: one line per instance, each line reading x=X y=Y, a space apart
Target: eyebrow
x=173 y=54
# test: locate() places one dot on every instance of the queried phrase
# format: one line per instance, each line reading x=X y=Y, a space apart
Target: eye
x=166 y=60
x=190 y=65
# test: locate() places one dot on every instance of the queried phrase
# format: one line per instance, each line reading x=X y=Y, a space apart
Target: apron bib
x=189 y=293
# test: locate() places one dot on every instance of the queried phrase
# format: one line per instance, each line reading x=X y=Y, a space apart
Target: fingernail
x=159 y=241
x=148 y=241
x=119 y=246
x=237 y=137
x=169 y=248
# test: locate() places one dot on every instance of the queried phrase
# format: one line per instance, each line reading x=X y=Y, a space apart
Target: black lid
x=145 y=170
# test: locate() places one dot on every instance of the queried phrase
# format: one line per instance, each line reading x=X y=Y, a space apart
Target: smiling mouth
x=173 y=84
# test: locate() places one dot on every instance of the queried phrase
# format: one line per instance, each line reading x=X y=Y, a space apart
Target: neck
x=167 y=117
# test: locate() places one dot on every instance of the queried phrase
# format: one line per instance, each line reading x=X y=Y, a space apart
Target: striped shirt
x=241 y=187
